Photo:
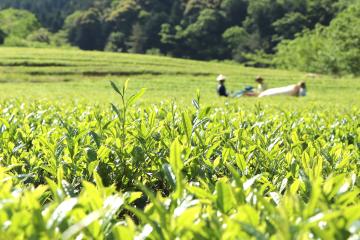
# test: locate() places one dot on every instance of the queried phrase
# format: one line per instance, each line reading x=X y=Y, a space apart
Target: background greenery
x=242 y=30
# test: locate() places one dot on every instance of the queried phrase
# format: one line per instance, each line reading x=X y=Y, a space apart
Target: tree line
x=251 y=32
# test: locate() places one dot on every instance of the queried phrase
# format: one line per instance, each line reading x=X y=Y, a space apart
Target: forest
x=322 y=35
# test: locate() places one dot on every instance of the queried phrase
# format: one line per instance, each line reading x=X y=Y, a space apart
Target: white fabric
x=288 y=90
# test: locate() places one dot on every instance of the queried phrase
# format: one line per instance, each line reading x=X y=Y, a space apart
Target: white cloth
x=288 y=90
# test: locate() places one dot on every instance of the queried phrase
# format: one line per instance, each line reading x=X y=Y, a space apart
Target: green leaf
x=146 y=220
x=116 y=110
x=95 y=138
x=216 y=162
x=61 y=212
x=241 y=162
x=135 y=97
x=201 y=193
x=224 y=197
x=132 y=196
x=56 y=191
x=113 y=85
x=187 y=126
x=60 y=175
x=239 y=191
x=177 y=166
x=68 y=189
x=158 y=205
x=98 y=180
x=125 y=87
x=175 y=156
x=85 y=222
x=295 y=138
x=169 y=175
x=112 y=204
x=225 y=154
x=196 y=104
x=91 y=154
x=250 y=182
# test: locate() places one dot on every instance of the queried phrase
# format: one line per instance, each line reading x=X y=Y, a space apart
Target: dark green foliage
x=137 y=39
x=195 y=36
x=235 y=11
x=196 y=29
x=123 y=16
x=287 y=26
x=334 y=49
x=85 y=29
x=2 y=36
x=240 y=42
x=116 y=42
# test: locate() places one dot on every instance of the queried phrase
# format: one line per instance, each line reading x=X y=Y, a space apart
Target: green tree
x=152 y=28
x=203 y=38
x=136 y=43
x=241 y=44
x=334 y=49
x=85 y=30
x=261 y=15
x=303 y=52
x=41 y=35
x=237 y=40
x=321 y=11
x=123 y=16
x=344 y=34
x=18 y=23
x=287 y=26
x=51 y=13
x=116 y=42
x=235 y=11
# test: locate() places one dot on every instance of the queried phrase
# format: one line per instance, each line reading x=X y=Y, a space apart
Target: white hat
x=220 y=78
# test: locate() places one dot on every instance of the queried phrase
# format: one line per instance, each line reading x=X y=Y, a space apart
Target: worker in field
x=261 y=84
x=249 y=91
x=221 y=89
x=296 y=90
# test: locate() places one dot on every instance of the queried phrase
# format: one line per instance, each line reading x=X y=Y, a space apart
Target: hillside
x=74 y=74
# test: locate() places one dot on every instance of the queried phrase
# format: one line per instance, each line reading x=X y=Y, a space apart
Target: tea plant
x=172 y=172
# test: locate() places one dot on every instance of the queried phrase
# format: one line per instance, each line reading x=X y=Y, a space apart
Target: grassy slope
x=72 y=74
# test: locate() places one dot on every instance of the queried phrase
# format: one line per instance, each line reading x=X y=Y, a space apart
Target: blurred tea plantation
x=160 y=156
x=73 y=75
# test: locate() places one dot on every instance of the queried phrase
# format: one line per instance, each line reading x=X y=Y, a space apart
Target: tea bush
x=173 y=172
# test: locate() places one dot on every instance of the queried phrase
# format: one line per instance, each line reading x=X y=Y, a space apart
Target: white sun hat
x=220 y=78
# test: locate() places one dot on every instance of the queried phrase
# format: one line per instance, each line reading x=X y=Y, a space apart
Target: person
x=302 y=89
x=297 y=90
x=221 y=89
x=261 y=84
x=250 y=92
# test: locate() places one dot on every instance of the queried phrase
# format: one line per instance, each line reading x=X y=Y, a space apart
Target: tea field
x=72 y=75
x=83 y=158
